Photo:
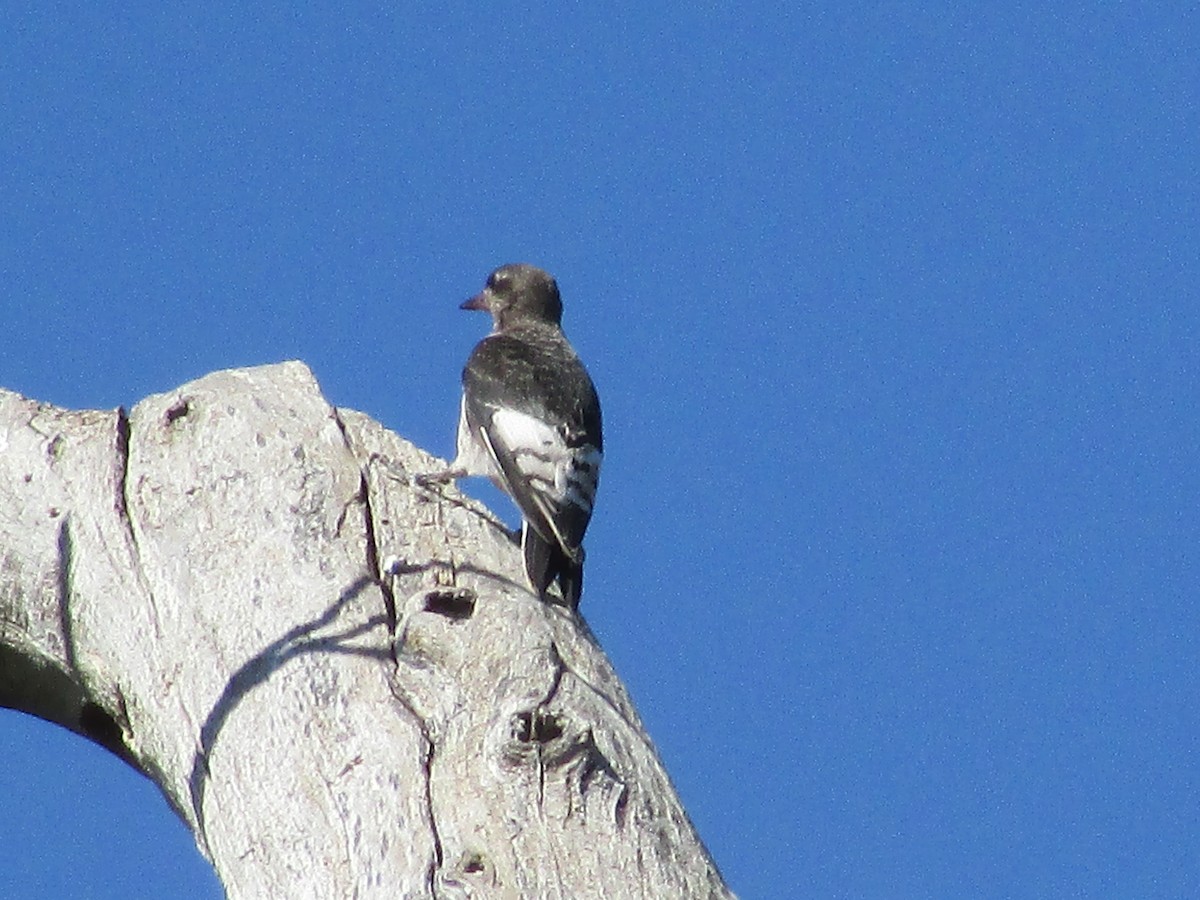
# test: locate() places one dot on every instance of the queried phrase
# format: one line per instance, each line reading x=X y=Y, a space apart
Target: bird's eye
x=498 y=280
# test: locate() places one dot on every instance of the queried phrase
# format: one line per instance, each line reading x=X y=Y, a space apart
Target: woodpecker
x=530 y=421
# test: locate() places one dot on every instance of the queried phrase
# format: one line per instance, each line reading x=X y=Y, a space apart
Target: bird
x=530 y=421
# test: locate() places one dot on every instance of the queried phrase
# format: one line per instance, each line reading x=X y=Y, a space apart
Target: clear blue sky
x=894 y=315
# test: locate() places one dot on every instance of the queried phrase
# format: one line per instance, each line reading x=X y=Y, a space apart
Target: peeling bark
x=199 y=587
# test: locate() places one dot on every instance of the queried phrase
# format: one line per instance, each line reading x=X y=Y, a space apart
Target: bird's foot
x=429 y=480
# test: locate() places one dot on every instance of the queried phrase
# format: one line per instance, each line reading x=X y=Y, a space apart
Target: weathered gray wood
x=199 y=587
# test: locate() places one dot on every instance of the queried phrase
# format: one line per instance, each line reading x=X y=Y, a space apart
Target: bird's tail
x=546 y=561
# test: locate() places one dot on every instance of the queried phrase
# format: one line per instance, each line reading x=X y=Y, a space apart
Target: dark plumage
x=530 y=421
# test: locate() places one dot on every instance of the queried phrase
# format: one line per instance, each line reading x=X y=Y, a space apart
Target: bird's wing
x=552 y=481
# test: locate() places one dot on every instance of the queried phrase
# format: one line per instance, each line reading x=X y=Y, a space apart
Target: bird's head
x=519 y=293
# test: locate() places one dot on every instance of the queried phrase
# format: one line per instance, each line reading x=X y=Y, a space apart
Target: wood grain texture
x=199 y=587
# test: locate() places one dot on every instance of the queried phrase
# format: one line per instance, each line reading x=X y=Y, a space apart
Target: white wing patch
x=558 y=473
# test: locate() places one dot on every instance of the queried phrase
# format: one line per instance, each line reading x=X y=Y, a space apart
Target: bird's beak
x=481 y=301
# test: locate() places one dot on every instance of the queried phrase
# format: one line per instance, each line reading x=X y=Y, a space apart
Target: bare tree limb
x=198 y=587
